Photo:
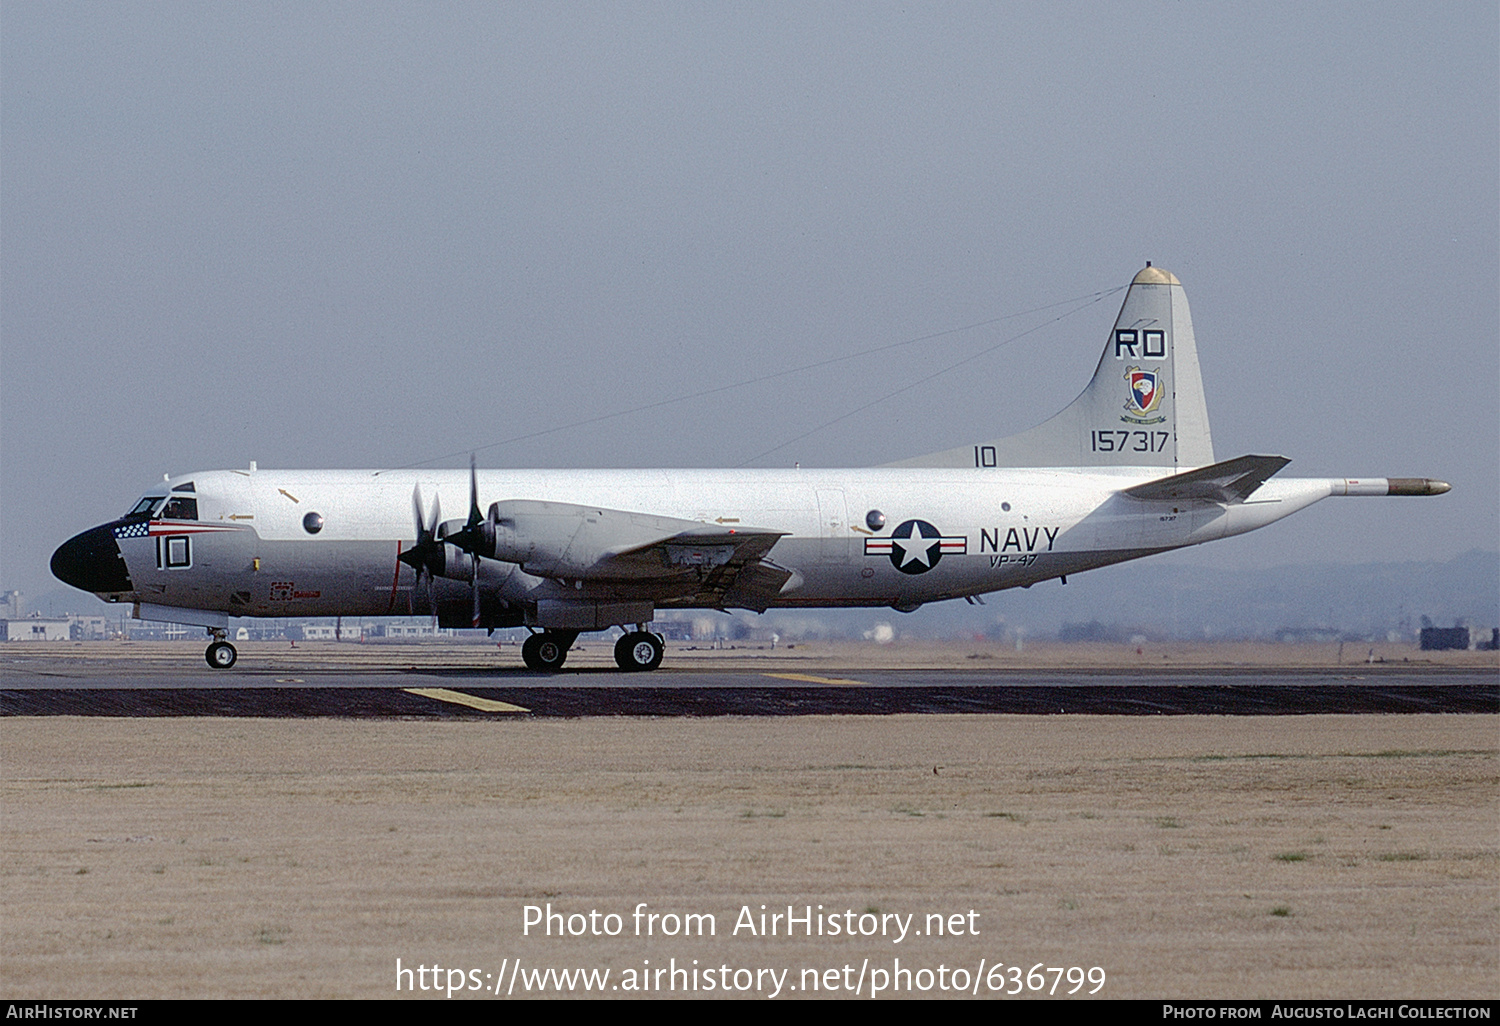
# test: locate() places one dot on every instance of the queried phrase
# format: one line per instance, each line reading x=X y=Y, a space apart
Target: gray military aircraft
x=1126 y=470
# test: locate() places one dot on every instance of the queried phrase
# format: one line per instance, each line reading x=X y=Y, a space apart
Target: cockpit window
x=179 y=507
x=146 y=505
x=186 y=486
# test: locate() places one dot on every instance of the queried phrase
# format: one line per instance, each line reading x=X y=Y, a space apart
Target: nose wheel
x=221 y=655
x=638 y=650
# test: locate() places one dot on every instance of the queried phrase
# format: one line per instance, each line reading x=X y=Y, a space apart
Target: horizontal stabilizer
x=1231 y=481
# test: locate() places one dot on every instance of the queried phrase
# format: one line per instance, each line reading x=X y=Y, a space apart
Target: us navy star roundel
x=915 y=547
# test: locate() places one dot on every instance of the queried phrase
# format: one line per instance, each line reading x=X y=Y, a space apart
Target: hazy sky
x=367 y=235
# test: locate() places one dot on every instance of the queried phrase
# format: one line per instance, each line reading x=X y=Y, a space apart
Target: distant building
x=88 y=628
x=72 y=627
x=674 y=630
x=1094 y=630
x=416 y=630
x=155 y=630
x=1439 y=639
x=332 y=632
x=38 y=628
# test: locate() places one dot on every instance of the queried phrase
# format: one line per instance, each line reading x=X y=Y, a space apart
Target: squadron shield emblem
x=915 y=547
x=1144 y=395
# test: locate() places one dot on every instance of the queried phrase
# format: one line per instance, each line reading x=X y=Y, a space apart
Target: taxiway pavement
x=62 y=683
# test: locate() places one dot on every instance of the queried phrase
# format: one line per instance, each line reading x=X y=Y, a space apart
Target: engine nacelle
x=448 y=560
x=565 y=541
x=557 y=539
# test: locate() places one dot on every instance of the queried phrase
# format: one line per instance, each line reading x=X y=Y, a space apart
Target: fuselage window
x=179 y=507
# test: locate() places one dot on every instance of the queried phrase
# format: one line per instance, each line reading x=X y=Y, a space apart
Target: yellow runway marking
x=459 y=698
x=817 y=680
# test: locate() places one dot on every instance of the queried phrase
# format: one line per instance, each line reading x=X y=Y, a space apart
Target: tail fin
x=1144 y=407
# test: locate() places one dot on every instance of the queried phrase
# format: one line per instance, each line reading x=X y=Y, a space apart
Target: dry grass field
x=1319 y=856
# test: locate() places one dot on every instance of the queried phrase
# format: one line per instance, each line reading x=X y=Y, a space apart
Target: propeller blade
x=474 y=515
x=428 y=558
x=470 y=542
x=474 y=620
x=470 y=538
x=425 y=557
x=414 y=556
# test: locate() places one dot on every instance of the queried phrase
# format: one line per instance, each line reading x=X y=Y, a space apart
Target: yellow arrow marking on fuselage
x=817 y=680
x=459 y=698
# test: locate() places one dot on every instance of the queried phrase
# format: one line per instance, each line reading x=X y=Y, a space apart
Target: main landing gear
x=548 y=650
x=221 y=654
x=638 y=650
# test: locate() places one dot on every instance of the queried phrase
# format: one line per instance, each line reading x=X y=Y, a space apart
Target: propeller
x=476 y=536
x=426 y=556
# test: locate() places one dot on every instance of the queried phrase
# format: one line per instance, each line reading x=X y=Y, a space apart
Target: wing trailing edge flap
x=1230 y=482
x=754 y=586
x=698 y=547
x=722 y=568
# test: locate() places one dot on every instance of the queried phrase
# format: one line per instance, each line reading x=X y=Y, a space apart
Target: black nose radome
x=91 y=561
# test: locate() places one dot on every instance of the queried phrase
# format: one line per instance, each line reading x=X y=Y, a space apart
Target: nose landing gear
x=221 y=654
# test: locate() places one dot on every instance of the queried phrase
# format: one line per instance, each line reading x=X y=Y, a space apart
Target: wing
x=717 y=567
x=663 y=557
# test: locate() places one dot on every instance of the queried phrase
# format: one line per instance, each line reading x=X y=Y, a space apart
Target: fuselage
x=325 y=543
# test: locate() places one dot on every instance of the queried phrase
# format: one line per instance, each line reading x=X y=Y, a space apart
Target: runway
x=54 y=684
